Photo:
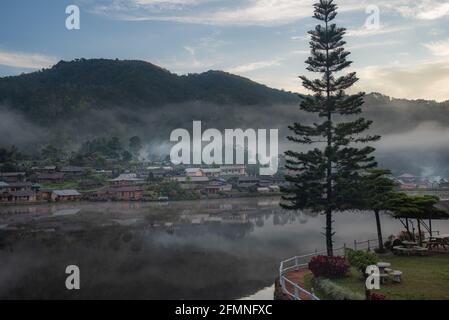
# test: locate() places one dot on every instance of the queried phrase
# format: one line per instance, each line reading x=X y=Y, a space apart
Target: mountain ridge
x=72 y=86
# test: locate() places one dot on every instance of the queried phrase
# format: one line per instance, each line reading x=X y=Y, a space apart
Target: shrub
x=335 y=292
x=361 y=259
x=408 y=236
x=389 y=243
x=377 y=296
x=329 y=267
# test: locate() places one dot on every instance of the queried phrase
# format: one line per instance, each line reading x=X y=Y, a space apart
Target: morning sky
x=264 y=40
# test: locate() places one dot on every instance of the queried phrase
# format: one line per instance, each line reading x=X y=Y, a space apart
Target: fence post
x=296 y=293
x=355 y=245
x=296 y=264
x=369 y=247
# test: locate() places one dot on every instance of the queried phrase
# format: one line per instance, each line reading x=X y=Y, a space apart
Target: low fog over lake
x=218 y=249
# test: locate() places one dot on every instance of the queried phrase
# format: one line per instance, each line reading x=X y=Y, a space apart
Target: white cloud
x=420 y=80
x=374 y=44
x=190 y=50
x=423 y=9
x=254 y=12
x=26 y=60
x=438 y=48
x=248 y=12
x=255 y=66
x=384 y=29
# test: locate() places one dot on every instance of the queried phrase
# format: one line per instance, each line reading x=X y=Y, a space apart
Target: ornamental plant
x=329 y=267
x=377 y=296
x=361 y=259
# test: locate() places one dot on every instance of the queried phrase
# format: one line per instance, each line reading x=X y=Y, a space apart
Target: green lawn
x=423 y=278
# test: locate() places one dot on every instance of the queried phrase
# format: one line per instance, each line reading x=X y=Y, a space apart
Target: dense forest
x=70 y=88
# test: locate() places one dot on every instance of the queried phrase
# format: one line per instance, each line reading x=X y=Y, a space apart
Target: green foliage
x=415 y=207
x=361 y=259
x=71 y=88
x=9 y=158
x=135 y=145
x=51 y=154
x=335 y=292
x=335 y=162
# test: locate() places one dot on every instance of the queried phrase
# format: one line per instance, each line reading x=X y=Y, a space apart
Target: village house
x=4 y=197
x=247 y=182
x=44 y=170
x=65 y=195
x=214 y=172
x=105 y=173
x=4 y=187
x=126 y=179
x=20 y=186
x=44 y=194
x=233 y=170
x=12 y=176
x=24 y=196
x=217 y=186
x=72 y=171
x=194 y=172
x=158 y=173
x=191 y=182
x=263 y=190
x=122 y=193
x=54 y=177
x=17 y=192
x=155 y=172
x=127 y=193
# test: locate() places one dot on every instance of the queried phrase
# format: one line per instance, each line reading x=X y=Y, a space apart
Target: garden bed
x=424 y=278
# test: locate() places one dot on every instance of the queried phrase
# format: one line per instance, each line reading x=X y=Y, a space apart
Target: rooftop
x=66 y=193
x=126 y=177
x=11 y=174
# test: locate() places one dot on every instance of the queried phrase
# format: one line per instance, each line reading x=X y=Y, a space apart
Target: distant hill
x=69 y=88
x=85 y=99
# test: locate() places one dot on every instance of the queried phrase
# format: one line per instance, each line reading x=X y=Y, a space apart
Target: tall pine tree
x=326 y=177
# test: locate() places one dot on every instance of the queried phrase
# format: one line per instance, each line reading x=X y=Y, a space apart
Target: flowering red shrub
x=377 y=296
x=329 y=267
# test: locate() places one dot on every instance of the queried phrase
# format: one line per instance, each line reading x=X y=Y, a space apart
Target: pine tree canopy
x=328 y=175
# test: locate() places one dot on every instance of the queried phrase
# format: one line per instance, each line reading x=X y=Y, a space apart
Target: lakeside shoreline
x=230 y=197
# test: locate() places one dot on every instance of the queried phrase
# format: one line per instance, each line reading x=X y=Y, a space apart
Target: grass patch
x=423 y=278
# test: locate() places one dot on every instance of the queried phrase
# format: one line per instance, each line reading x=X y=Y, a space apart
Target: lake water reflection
x=220 y=249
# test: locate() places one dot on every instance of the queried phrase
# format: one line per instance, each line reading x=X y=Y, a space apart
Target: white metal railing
x=299 y=263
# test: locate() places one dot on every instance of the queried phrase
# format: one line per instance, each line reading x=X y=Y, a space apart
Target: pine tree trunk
x=379 y=231
x=329 y=242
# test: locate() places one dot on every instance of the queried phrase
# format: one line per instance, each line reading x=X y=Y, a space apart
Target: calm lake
x=218 y=249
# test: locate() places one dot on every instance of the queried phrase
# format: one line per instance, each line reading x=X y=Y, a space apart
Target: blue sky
x=264 y=40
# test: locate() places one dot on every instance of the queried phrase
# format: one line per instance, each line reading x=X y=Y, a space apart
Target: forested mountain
x=70 y=88
x=81 y=100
